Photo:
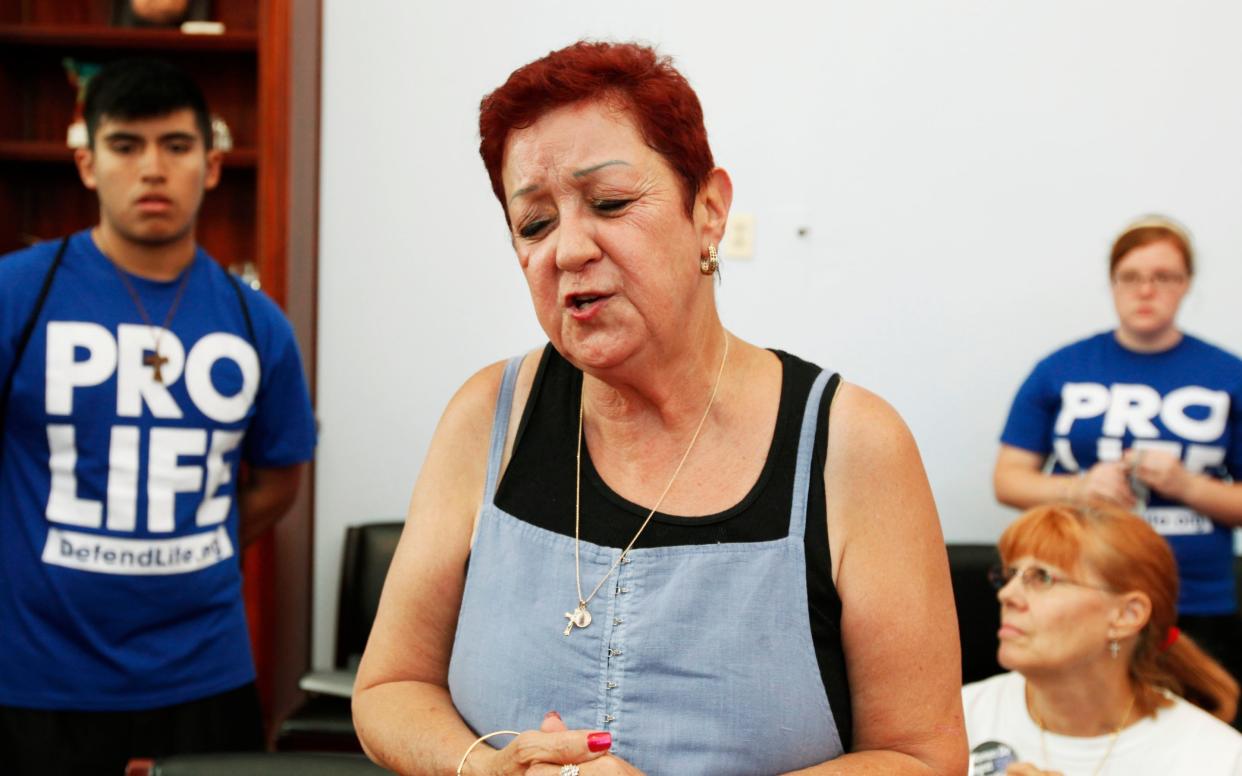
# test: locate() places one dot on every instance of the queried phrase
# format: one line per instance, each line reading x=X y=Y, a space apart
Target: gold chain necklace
x=1112 y=739
x=580 y=617
x=154 y=359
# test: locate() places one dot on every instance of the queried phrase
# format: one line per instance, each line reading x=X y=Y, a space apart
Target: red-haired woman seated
x=640 y=546
x=1102 y=682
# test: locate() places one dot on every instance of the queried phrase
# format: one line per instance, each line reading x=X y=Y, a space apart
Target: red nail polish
x=598 y=742
x=551 y=714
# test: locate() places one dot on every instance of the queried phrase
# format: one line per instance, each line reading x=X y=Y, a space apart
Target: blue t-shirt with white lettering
x=120 y=587
x=1094 y=399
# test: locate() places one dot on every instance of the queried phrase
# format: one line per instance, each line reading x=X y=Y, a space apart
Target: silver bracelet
x=480 y=740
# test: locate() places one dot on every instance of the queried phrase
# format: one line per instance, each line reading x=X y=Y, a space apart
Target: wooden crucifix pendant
x=579 y=617
x=155 y=361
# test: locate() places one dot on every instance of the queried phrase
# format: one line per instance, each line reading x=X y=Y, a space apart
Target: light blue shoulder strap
x=500 y=427
x=806 y=451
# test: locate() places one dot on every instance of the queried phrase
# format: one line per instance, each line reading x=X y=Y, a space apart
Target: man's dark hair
x=143 y=88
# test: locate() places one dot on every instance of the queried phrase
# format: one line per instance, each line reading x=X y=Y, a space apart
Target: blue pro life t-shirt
x=1093 y=400
x=120 y=586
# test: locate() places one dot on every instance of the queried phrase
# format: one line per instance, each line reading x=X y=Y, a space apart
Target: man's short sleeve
x=21 y=277
x=282 y=431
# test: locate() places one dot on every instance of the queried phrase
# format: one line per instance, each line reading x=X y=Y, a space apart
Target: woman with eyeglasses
x=1101 y=680
x=1146 y=417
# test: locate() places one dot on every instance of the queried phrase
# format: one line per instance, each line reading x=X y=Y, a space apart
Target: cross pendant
x=155 y=361
x=579 y=617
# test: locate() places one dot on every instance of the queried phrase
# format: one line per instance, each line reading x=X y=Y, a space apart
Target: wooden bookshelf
x=35 y=38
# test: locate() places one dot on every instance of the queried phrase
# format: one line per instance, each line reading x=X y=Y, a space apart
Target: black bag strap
x=245 y=308
x=27 y=332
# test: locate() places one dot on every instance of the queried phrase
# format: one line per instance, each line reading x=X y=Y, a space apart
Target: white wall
x=961 y=167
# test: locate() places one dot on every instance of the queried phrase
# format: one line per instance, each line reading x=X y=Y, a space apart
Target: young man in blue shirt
x=138 y=375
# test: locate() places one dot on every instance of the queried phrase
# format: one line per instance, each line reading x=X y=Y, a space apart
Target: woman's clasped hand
x=551 y=750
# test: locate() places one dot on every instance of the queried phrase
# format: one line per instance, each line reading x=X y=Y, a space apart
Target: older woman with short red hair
x=639 y=548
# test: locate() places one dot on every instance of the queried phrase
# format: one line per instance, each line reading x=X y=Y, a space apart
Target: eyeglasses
x=1033 y=578
x=1131 y=279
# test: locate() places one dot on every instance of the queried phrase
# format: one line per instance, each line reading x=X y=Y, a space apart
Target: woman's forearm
x=1024 y=488
x=411 y=728
x=889 y=762
x=1221 y=501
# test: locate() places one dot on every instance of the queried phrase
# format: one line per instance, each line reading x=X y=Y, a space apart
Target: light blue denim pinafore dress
x=698 y=660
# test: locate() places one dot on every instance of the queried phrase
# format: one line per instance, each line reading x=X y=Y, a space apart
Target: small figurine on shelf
x=247 y=272
x=79 y=74
x=221 y=135
x=157 y=13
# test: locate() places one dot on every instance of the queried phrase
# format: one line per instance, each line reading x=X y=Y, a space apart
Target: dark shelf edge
x=97 y=37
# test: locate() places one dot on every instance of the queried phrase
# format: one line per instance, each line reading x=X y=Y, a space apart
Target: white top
x=1182 y=739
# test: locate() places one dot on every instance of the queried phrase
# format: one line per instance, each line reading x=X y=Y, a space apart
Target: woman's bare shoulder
x=873 y=476
x=865 y=427
x=471 y=410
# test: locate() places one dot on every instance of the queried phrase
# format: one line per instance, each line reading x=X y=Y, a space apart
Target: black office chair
x=1237 y=575
x=324 y=722
x=255 y=764
x=978 y=613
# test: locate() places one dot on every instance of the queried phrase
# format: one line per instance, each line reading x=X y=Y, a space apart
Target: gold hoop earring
x=709 y=264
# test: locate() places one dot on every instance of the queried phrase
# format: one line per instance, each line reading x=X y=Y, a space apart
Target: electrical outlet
x=739 y=236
